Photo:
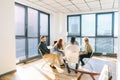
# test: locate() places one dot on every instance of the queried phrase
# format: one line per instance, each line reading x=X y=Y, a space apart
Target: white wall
x=118 y=67
x=59 y=27
x=7 y=37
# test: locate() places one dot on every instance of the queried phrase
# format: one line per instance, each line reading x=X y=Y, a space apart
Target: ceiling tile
x=94 y=4
x=84 y=8
x=91 y=0
x=78 y=1
x=66 y=3
x=55 y=5
x=115 y=5
x=48 y=1
x=33 y=0
x=70 y=6
x=107 y=6
x=81 y=5
x=95 y=8
x=107 y=1
x=61 y=0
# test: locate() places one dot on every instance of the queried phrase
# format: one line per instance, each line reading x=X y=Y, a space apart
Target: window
x=20 y=20
x=104 y=45
x=100 y=28
x=104 y=24
x=116 y=24
x=74 y=25
x=88 y=25
x=32 y=47
x=30 y=24
x=20 y=49
x=43 y=24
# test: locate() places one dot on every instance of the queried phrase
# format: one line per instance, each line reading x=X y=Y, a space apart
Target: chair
x=86 y=61
x=44 y=59
x=72 y=56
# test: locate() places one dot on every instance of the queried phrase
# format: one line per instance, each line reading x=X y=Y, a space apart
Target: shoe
x=82 y=64
x=53 y=67
x=62 y=66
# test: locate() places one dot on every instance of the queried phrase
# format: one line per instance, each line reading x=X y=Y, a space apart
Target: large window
x=30 y=25
x=88 y=25
x=104 y=24
x=74 y=25
x=100 y=28
x=20 y=20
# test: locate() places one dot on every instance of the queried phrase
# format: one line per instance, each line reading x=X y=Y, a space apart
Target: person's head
x=43 y=39
x=86 y=40
x=60 y=43
x=72 y=40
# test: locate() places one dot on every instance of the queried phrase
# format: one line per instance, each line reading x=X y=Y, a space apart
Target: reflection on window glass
x=20 y=49
x=104 y=24
x=32 y=22
x=91 y=42
x=115 y=45
x=20 y=20
x=32 y=47
x=116 y=24
x=43 y=24
x=74 y=25
x=88 y=25
x=104 y=45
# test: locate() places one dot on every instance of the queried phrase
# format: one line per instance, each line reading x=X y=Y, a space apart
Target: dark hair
x=72 y=40
x=42 y=37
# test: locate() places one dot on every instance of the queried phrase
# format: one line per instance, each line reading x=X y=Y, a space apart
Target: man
x=47 y=54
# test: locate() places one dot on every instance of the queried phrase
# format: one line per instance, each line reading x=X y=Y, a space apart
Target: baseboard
x=8 y=72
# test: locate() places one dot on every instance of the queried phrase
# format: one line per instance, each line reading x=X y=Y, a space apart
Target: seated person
x=87 y=53
x=47 y=54
x=58 y=47
x=75 y=42
x=74 y=48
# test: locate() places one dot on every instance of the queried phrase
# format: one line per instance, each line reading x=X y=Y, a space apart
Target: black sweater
x=43 y=48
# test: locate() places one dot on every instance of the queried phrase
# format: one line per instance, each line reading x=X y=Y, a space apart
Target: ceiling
x=72 y=6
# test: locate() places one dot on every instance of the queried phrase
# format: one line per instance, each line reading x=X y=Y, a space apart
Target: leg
x=81 y=59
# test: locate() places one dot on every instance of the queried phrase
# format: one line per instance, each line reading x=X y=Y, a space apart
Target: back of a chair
x=40 y=50
x=72 y=53
x=104 y=73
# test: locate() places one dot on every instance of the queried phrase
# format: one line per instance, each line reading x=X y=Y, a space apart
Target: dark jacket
x=43 y=48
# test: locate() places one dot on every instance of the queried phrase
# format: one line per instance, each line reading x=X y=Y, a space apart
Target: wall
x=118 y=67
x=59 y=27
x=7 y=37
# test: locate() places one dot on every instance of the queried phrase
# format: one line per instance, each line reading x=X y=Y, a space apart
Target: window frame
x=26 y=37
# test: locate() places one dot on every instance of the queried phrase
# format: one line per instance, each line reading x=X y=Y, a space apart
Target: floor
x=39 y=70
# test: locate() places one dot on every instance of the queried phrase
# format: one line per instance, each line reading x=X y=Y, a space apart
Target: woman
x=87 y=53
x=58 y=47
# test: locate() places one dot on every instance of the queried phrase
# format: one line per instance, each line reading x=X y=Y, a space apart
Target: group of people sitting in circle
x=58 y=51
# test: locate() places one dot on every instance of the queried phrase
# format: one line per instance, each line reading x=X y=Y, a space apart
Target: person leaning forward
x=47 y=54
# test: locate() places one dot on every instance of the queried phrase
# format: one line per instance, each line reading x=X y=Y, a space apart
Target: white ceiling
x=72 y=6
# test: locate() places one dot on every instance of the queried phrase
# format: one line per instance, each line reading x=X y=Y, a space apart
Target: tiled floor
x=38 y=70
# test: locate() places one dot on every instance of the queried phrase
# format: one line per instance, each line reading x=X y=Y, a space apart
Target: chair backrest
x=104 y=73
x=40 y=50
x=72 y=53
